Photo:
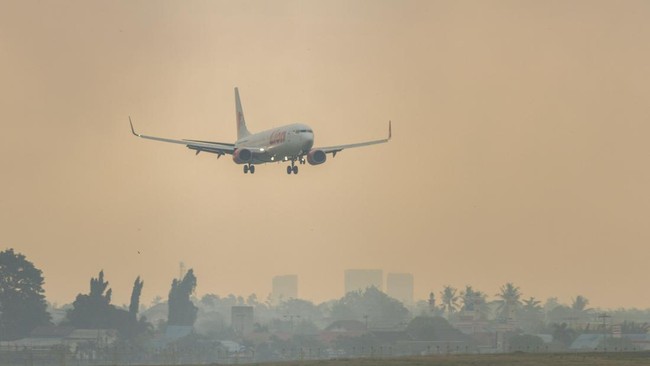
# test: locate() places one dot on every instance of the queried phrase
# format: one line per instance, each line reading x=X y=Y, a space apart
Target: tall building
x=361 y=279
x=284 y=288
x=400 y=286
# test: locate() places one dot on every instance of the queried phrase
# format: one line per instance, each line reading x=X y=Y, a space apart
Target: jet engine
x=315 y=157
x=242 y=156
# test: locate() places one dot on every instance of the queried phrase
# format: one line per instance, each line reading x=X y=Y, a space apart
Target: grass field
x=518 y=359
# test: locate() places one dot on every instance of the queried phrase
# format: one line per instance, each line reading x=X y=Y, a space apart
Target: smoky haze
x=519 y=151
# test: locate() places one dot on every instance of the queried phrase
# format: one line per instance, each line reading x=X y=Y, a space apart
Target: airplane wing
x=335 y=149
x=218 y=148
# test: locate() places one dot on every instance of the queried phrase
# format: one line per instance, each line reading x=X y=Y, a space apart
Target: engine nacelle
x=242 y=156
x=315 y=157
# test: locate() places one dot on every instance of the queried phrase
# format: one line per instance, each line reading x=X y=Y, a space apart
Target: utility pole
x=291 y=317
x=604 y=317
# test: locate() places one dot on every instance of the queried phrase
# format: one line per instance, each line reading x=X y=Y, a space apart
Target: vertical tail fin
x=242 y=131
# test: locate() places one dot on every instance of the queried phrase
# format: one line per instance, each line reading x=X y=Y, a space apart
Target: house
x=172 y=334
x=586 y=342
x=343 y=328
x=75 y=340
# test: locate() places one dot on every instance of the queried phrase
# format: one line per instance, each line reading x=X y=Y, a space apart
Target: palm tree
x=532 y=305
x=579 y=309
x=531 y=315
x=449 y=299
x=474 y=300
x=467 y=297
x=580 y=303
x=509 y=302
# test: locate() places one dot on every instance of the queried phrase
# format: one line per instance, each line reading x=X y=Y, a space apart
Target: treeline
x=23 y=307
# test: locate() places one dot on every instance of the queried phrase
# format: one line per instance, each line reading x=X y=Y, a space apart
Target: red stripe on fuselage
x=278 y=137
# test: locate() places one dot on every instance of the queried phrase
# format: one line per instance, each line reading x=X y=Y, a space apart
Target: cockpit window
x=300 y=131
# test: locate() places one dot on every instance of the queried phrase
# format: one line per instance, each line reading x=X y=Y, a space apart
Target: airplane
x=289 y=143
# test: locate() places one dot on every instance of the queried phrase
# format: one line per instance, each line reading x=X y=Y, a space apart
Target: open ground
x=519 y=359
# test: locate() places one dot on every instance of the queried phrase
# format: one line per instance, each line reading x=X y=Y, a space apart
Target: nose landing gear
x=292 y=168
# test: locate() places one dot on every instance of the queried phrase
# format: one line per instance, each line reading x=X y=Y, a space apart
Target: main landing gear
x=249 y=168
x=292 y=168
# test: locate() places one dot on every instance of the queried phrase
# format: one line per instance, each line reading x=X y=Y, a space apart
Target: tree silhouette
x=474 y=301
x=580 y=303
x=98 y=286
x=136 y=328
x=22 y=303
x=563 y=334
x=181 y=309
x=532 y=304
x=560 y=314
x=530 y=315
x=297 y=307
x=371 y=306
x=630 y=327
x=449 y=300
x=509 y=302
x=579 y=309
x=94 y=310
x=135 y=298
x=467 y=298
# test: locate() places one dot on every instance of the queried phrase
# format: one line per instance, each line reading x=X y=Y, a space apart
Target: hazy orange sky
x=520 y=149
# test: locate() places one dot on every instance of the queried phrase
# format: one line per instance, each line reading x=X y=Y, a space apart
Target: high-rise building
x=361 y=279
x=284 y=288
x=400 y=286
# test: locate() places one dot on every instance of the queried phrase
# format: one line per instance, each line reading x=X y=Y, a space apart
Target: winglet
x=132 y=129
x=390 y=131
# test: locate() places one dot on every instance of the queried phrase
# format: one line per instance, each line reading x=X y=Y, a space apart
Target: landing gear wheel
x=289 y=170
x=246 y=169
x=252 y=169
x=295 y=169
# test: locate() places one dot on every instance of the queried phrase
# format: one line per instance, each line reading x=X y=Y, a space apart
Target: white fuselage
x=292 y=143
x=278 y=144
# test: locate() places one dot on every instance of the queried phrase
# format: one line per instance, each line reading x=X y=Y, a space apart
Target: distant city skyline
x=398 y=285
x=519 y=147
x=283 y=288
